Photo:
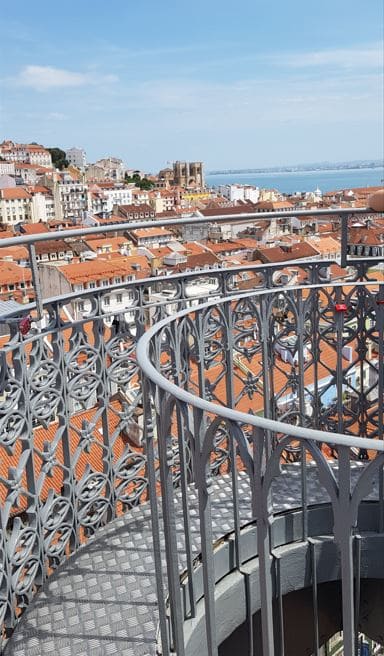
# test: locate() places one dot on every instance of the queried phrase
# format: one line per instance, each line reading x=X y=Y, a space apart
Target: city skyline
x=236 y=87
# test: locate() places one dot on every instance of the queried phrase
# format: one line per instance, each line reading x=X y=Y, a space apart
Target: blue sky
x=235 y=84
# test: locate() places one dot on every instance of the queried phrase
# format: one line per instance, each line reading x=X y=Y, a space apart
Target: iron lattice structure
x=281 y=383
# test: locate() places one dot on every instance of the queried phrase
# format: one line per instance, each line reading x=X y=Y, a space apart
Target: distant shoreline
x=301 y=169
x=289 y=182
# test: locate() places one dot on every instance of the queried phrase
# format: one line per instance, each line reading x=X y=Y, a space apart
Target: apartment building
x=7 y=168
x=29 y=153
x=236 y=192
x=135 y=212
x=104 y=196
x=15 y=206
x=90 y=275
x=162 y=200
x=72 y=199
x=113 y=168
x=76 y=157
x=151 y=237
x=15 y=282
x=54 y=250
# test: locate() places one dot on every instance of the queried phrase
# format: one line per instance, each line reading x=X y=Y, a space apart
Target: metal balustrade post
x=266 y=361
x=181 y=417
x=264 y=551
x=357 y=569
x=280 y=606
x=36 y=280
x=166 y=460
x=316 y=638
x=205 y=520
x=339 y=337
x=302 y=413
x=345 y=539
x=155 y=523
x=344 y=240
x=316 y=355
x=229 y=383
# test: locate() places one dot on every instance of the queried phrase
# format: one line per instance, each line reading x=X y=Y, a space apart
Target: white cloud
x=43 y=78
x=366 y=57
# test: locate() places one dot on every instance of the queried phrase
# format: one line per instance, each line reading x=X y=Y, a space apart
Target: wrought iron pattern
x=256 y=381
x=73 y=409
x=71 y=398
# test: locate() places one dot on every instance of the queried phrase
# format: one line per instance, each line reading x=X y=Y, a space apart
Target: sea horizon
x=289 y=182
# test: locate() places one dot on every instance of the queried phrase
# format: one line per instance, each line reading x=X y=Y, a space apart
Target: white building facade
x=15 y=206
x=235 y=192
x=76 y=157
x=73 y=200
x=29 y=153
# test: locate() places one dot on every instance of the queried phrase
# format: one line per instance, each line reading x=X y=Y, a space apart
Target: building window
x=107 y=300
x=119 y=298
x=105 y=283
x=80 y=307
x=117 y=281
x=91 y=285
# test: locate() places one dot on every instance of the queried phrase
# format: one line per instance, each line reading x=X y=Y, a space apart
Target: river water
x=290 y=182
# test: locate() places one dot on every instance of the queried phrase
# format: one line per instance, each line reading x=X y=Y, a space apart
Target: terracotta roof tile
x=293 y=252
x=14 y=193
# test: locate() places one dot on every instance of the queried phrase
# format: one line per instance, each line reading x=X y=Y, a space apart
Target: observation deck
x=199 y=470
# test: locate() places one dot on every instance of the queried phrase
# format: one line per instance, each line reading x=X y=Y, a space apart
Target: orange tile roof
x=14 y=193
x=34 y=228
x=16 y=252
x=6 y=234
x=101 y=269
x=114 y=242
x=367 y=236
x=194 y=247
x=222 y=246
x=39 y=189
x=325 y=244
x=248 y=242
x=161 y=252
x=11 y=273
x=24 y=165
x=278 y=254
x=151 y=232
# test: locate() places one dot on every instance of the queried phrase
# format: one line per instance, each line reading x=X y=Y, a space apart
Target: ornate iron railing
x=251 y=383
x=76 y=437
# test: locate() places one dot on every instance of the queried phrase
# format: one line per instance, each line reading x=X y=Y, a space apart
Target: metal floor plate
x=102 y=600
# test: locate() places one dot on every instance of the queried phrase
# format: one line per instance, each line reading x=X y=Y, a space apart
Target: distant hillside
x=322 y=166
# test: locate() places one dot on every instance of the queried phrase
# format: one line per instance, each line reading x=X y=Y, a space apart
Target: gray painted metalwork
x=103 y=599
x=250 y=325
x=71 y=398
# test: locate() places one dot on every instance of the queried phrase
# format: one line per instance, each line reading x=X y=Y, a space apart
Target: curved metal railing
x=76 y=440
x=249 y=384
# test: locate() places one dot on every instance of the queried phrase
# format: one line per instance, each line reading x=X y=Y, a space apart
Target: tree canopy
x=141 y=183
x=59 y=159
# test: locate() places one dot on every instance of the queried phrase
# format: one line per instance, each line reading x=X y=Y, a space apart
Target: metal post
x=36 y=280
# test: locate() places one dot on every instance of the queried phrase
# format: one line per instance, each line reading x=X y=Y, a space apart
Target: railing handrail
x=27 y=308
x=301 y=433
x=246 y=217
